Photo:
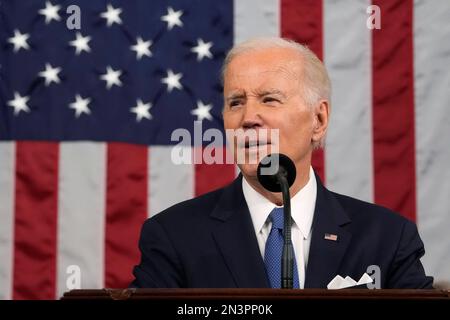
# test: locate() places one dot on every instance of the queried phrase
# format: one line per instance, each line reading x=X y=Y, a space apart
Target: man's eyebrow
x=266 y=92
x=236 y=95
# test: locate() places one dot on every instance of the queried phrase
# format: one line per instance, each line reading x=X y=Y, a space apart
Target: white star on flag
x=81 y=43
x=202 y=49
x=142 y=48
x=142 y=110
x=50 y=12
x=112 y=15
x=50 y=74
x=19 y=103
x=111 y=77
x=202 y=111
x=80 y=105
x=172 y=18
x=172 y=80
x=19 y=40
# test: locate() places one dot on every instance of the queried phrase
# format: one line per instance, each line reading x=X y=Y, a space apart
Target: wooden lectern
x=255 y=294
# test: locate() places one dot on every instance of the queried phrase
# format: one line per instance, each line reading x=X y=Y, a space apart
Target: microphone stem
x=287 y=259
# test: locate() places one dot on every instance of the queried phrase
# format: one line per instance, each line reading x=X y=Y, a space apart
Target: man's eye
x=235 y=103
x=270 y=99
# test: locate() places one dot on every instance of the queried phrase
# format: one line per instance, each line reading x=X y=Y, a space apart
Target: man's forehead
x=259 y=81
x=261 y=68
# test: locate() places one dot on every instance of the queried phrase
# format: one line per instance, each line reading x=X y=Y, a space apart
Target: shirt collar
x=302 y=205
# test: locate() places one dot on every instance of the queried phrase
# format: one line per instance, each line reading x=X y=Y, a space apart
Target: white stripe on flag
x=256 y=18
x=169 y=183
x=81 y=212
x=7 y=170
x=432 y=100
x=347 y=48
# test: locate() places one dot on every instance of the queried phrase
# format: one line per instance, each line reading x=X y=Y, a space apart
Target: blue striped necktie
x=274 y=249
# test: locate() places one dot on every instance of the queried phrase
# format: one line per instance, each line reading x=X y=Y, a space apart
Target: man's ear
x=321 y=115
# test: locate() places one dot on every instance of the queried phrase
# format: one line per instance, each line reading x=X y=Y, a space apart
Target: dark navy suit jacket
x=210 y=242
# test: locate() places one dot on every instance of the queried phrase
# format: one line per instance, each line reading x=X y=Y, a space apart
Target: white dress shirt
x=302 y=210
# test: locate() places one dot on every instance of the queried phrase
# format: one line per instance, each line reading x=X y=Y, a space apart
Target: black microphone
x=276 y=173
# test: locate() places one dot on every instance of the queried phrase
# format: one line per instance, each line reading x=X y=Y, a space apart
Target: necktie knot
x=277 y=218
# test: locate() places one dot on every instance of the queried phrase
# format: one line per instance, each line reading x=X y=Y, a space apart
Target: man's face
x=262 y=91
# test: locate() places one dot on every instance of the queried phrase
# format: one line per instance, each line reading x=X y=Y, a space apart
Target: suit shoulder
x=187 y=210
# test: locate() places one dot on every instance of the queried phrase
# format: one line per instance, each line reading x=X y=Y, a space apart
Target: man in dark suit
x=230 y=237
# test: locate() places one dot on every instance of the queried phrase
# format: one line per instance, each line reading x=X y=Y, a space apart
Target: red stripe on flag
x=301 y=20
x=35 y=227
x=126 y=210
x=209 y=177
x=393 y=108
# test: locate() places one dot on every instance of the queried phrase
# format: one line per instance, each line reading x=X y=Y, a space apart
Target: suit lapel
x=325 y=255
x=236 y=239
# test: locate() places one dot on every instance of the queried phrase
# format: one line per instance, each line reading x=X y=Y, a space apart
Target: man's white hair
x=315 y=82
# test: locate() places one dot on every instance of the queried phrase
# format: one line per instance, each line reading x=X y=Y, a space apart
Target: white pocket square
x=340 y=283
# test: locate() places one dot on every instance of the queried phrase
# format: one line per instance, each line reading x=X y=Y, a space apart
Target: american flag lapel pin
x=331 y=237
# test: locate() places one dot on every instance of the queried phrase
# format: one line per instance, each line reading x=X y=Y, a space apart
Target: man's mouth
x=254 y=144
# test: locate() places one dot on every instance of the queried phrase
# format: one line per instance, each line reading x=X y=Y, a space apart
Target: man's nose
x=252 y=117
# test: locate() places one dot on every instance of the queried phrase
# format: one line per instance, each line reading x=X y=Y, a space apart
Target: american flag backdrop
x=86 y=117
